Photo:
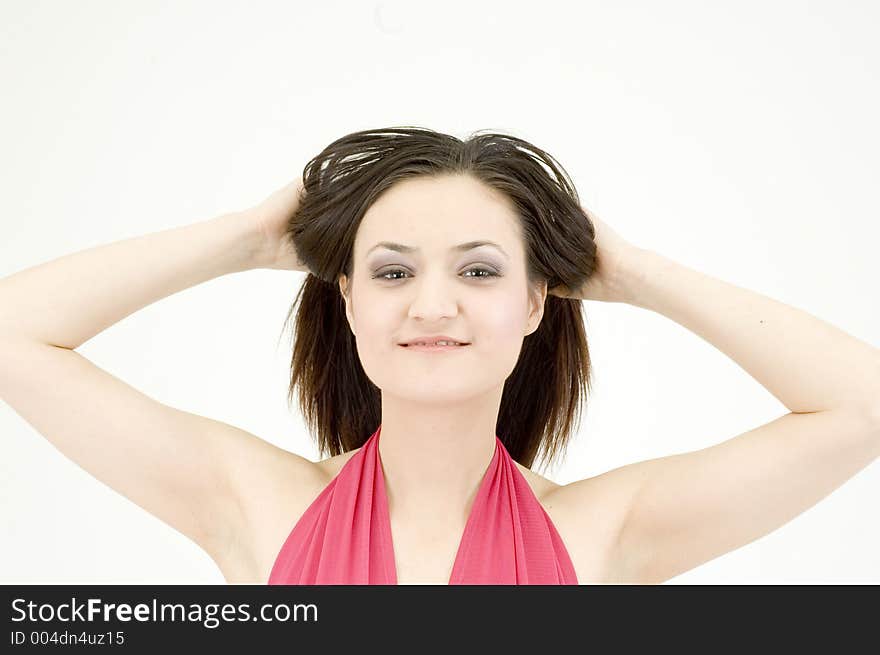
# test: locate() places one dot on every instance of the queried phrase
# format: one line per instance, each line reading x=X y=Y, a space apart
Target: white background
x=739 y=138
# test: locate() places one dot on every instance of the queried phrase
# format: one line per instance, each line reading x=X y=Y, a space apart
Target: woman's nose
x=434 y=297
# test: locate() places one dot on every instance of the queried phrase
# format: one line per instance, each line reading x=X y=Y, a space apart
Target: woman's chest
x=425 y=544
x=424 y=553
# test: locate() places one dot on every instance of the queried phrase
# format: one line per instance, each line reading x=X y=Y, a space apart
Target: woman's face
x=477 y=295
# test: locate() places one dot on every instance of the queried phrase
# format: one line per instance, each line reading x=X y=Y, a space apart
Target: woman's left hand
x=614 y=258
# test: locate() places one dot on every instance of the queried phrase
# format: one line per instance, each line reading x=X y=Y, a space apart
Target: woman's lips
x=433 y=349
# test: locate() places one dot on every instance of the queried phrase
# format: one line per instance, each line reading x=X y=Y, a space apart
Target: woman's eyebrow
x=469 y=245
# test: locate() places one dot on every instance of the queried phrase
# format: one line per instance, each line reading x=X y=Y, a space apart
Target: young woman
x=410 y=238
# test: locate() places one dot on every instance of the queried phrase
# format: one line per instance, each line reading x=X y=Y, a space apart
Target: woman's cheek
x=504 y=322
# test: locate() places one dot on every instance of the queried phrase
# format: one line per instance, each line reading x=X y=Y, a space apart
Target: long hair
x=541 y=398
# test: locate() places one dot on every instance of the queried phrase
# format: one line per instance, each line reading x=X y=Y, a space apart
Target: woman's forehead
x=436 y=216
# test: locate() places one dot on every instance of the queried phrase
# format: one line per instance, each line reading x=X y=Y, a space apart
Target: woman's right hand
x=271 y=217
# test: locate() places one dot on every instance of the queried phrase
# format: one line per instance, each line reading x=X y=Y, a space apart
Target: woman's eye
x=481 y=273
x=488 y=272
x=385 y=275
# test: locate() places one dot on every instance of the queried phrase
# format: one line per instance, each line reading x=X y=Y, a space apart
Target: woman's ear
x=537 y=297
x=344 y=290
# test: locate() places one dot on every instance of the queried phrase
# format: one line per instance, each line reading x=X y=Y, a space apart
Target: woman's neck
x=434 y=458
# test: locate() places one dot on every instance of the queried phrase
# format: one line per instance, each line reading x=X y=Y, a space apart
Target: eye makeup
x=476 y=272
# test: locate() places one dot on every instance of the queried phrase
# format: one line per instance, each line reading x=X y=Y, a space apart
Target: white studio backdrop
x=738 y=138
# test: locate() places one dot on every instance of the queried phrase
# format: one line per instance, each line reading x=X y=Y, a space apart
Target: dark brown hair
x=541 y=397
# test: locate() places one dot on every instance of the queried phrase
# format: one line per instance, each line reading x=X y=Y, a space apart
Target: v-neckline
x=344 y=535
x=468 y=527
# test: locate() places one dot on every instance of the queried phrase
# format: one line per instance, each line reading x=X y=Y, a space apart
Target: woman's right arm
x=203 y=477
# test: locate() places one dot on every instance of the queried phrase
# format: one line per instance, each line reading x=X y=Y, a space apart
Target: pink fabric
x=344 y=537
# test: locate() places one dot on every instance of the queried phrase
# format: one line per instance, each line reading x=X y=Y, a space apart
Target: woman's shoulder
x=540 y=485
x=331 y=466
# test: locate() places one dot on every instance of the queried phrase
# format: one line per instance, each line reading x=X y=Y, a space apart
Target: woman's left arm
x=674 y=513
x=808 y=364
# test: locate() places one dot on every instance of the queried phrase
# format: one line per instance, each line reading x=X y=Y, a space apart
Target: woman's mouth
x=434 y=347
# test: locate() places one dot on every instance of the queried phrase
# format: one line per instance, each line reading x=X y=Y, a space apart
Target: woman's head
x=370 y=192
x=479 y=295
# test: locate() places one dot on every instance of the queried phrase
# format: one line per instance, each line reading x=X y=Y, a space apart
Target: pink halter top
x=344 y=537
